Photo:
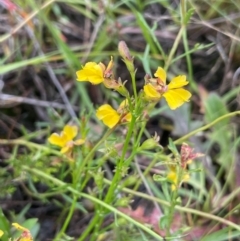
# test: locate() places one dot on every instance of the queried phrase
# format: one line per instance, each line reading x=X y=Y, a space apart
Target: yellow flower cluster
x=99 y=73
x=178 y=173
x=173 y=176
x=154 y=89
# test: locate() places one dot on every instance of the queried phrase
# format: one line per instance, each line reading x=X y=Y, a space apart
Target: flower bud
x=123 y=202
x=130 y=180
x=121 y=89
x=150 y=143
x=125 y=53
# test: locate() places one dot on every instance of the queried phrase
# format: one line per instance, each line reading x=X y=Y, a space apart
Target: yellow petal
x=57 y=140
x=178 y=82
x=102 y=66
x=151 y=93
x=110 y=65
x=128 y=117
x=79 y=142
x=29 y=238
x=70 y=131
x=1 y=233
x=123 y=107
x=66 y=149
x=111 y=120
x=186 y=177
x=19 y=227
x=91 y=72
x=176 y=97
x=108 y=115
x=104 y=110
x=161 y=74
x=124 y=103
x=26 y=235
x=172 y=176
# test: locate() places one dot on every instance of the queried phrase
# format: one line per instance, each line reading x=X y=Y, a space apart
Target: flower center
x=161 y=89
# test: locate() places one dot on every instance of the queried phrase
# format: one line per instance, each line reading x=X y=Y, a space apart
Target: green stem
x=76 y=180
x=171 y=212
x=186 y=47
x=130 y=158
x=90 y=154
x=149 y=167
x=117 y=176
x=174 y=48
x=95 y=220
x=133 y=75
x=140 y=133
x=90 y=226
x=136 y=144
x=120 y=163
x=59 y=183
x=29 y=145
x=203 y=128
x=180 y=173
x=229 y=198
x=67 y=220
x=182 y=209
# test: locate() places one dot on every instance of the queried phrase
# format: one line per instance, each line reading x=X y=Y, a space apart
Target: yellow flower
x=174 y=94
x=65 y=139
x=1 y=233
x=26 y=235
x=112 y=117
x=95 y=73
x=108 y=115
x=173 y=177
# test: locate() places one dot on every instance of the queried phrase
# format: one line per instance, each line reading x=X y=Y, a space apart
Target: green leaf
x=189 y=14
x=172 y=147
x=215 y=108
x=221 y=132
x=222 y=235
x=33 y=226
x=159 y=178
x=148 y=33
x=4 y=226
x=163 y=222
